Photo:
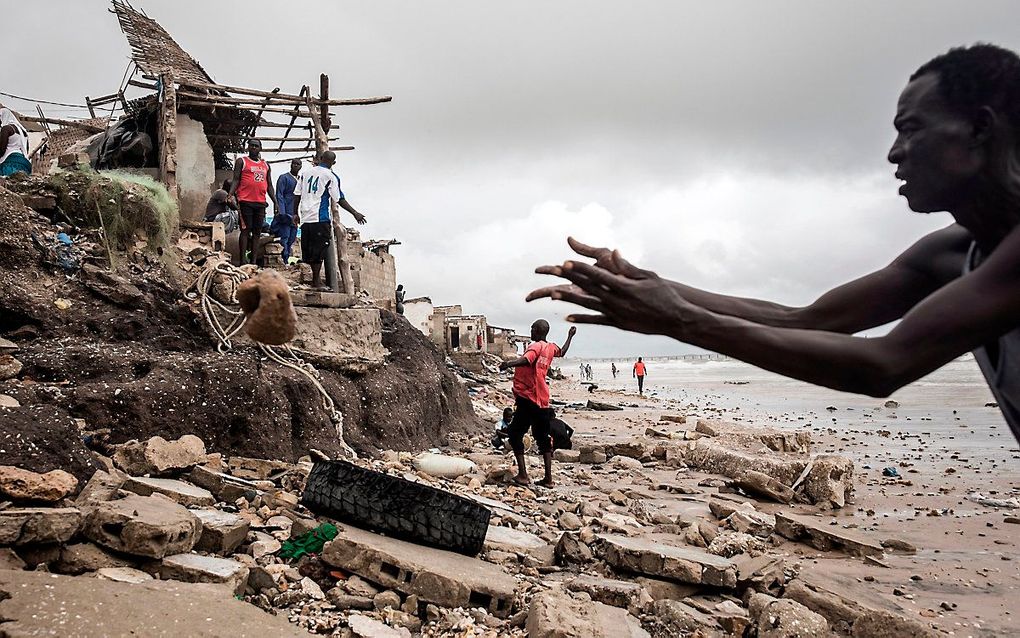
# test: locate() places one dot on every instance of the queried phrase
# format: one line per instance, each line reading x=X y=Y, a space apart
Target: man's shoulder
x=939 y=255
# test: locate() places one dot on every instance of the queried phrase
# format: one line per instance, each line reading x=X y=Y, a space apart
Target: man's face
x=254 y=148
x=295 y=167
x=935 y=151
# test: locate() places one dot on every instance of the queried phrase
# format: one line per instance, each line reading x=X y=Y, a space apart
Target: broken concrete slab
x=222 y=532
x=123 y=575
x=680 y=619
x=592 y=454
x=820 y=535
x=557 y=614
x=195 y=568
x=151 y=526
x=257 y=469
x=10 y=560
x=750 y=522
x=39 y=525
x=567 y=456
x=445 y=578
x=761 y=484
x=223 y=486
x=618 y=593
x=101 y=487
x=784 y=618
x=159 y=457
x=21 y=485
x=85 y=557
x=684 y=564
x=508 y=539
x=362 y=626
x=830 y=482
x=186 y=494
x=40 y=602
x=570 y=549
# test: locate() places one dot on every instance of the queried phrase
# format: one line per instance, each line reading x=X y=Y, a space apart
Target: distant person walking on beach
x=583 y=374
x=639 y=374
x=614 y=370
x=587 y=371
x=531 y=395
x=956 y=289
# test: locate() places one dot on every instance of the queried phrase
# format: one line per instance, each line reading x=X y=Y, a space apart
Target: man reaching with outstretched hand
x=531 y=393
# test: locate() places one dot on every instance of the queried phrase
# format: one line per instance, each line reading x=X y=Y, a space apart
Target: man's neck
x=254 y=156
x=993 y=214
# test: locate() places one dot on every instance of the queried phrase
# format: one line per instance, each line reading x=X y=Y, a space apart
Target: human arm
x=872 y=300
x=270 y=189
x=236 y=181
x=972 y=310
x=514 y=363
x=566 y=344
x=5 y=135
x=346 y=205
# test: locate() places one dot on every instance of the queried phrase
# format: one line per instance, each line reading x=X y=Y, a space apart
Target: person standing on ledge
x=252 y=181
x=639 y=374
x=285 y=221
x=956 y=290
x=317 y=191
x=531 y=395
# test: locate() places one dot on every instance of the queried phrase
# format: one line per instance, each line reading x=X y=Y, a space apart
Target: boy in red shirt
x=531 y=392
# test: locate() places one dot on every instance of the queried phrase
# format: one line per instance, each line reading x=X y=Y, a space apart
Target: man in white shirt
x=13 y=144
x=317 y=190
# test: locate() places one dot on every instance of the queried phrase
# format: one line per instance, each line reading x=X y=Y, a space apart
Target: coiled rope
x=286 y=356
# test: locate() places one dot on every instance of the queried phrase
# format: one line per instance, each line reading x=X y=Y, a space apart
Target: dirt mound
x=124 y=350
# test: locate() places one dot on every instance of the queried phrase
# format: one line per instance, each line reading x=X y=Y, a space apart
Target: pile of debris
x=638 y=544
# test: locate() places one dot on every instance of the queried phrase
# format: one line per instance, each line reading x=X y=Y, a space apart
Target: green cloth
x=310 y=542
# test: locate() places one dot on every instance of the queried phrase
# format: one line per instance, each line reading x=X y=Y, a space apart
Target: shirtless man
x=956 y=290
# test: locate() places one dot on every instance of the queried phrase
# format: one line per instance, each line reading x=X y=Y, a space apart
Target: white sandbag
x=442 y=465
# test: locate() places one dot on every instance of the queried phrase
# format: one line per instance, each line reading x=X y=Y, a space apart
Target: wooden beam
x=187 y=101
x=261 y=138
x=168 y=136
x=92 y=128
x=283 y=96
x=293 y=118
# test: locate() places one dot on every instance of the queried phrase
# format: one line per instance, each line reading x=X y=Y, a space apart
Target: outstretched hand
x=625 y=296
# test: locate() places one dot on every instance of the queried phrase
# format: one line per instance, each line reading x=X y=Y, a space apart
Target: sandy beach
x=941 y=439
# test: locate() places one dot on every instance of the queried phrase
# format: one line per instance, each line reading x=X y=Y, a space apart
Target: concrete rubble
x=636 y=554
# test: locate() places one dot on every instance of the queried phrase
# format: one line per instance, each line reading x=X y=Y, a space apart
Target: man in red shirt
x=531 y=392
x=639 y=374
x=253 y=179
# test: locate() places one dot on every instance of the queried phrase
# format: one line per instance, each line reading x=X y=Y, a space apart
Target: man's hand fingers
x=544 y=292
x=601 y=320
x=586 y=250
x=585 y=274
x=556 y=271
x=624 y=267
x=574 y=295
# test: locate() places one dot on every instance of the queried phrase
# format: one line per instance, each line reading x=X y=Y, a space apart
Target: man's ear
x=983 y=125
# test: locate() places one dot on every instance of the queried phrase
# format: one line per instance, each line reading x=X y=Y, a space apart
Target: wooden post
x=168 y=136
x=334 y=261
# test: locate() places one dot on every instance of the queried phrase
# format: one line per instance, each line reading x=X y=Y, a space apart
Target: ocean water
x=950 y=403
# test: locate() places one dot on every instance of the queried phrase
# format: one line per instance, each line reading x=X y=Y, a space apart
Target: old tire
x=390 y=505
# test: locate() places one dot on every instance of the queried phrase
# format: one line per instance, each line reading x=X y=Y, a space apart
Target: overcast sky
x=736 y=146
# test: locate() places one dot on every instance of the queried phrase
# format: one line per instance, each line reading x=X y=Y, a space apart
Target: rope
x=201 y=290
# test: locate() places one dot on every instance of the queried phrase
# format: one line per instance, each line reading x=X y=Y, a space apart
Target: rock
x=23 y=485
x=159 y=457
x=344 y=601
x=825 y=537
x=687 y=565
x=785 y=618
x=222 y=532
x=7 y=401
x=6 y=346
x=567 y=456
x=359 y=587
x=123 y=575
x=507 y=539
x=618 y=593
x=434 y=575
x=724 y=509
x=10 y=560
x=592 y=454
x=47 y=604
x=386 y=599
x=9 y=367
x=760 y=572
x=365 y=627
x=617 y=497
x=570 y=550
x=729 y=544
x=879 y=624
x=151 y=526
x=631 y=449
x=264 y=544
x=223 y=486
x=830 y=481
x=569 y=521
x=184 y=493
x=898 y=545
x=195 y=568
x=673 y=418
x=85 y=557
x=660 y=589
x=892 y=404
x=257 y=469
x=764 y=485
x=39 y=525
x=710 y=456
x=599 y=406
x=625 y=463
x=556 y=614
x=750 y=522
x=311 y=589
x=677 y=618
x=853 y=612
x=259 y=579
x=103 y=486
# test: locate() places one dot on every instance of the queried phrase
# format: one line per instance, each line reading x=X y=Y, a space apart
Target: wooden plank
x=168 y=136
x=261 y=138
x=61 y=122
x=283 y=96
x=302 y=92
x=268 y=109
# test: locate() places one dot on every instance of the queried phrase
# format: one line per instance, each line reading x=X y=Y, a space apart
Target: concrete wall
x=439 y=314
x=468 y=328
x=196 y=171
x=419 y=313
x=340 y=332
x=375 y=273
